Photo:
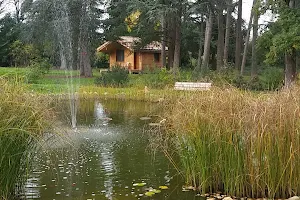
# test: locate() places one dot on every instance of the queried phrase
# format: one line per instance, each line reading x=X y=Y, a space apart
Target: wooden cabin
x=122 y=53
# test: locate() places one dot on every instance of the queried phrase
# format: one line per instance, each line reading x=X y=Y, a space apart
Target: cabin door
x=136 y=61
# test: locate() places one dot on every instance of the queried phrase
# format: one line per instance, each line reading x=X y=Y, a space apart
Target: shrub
x=117 y=77
x=272 y=78
x=101 y=60
x=37 y=70
x=155 y=78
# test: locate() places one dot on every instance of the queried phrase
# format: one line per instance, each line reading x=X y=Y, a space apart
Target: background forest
x=209 y=38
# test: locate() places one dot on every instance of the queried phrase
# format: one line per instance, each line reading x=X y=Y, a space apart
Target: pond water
x=102 y=159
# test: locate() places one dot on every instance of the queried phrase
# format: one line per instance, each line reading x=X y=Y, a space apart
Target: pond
x=105 y=157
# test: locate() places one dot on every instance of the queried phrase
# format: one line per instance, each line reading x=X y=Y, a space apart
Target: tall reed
x=241 y=143
x=24 y=118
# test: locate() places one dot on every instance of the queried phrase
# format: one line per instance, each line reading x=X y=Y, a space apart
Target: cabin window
x=120 y=56
x=156 y=57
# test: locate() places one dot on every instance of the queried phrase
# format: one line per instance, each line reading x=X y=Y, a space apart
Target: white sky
x=247 y=5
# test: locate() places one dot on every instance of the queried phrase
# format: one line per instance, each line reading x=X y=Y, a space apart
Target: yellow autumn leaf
x=132 y=20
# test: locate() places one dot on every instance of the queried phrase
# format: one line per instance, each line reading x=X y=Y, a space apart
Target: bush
x=101 y=60
x=272 y=78
x=37 y=70
x=117 y=77
x=155 y=78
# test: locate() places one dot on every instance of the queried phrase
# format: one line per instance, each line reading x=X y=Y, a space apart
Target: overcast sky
x=247 y=5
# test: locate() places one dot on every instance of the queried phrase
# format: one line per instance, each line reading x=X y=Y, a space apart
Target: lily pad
x=150 y=193
x=156 y=191
x=163 y=187
x=139 y=184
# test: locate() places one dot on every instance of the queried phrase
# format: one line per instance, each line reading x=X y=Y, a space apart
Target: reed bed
x=24 y=118
x=240 y=143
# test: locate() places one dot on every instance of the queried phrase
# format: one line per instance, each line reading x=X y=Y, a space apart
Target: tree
x=247 y=39
x=200 y=50
x=208 y=34
x=220 y=42
x=227 y=33
x=254 y=39
x=239 y=36
x=177 y=48
x=21 y=7
x=284 y=39
x=163 y=40
x=290 y=54
x=8 y=34
x=84 y=38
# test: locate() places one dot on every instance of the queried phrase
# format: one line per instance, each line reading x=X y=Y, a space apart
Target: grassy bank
x=24 y=118
x=243 y=144
x=153 y=95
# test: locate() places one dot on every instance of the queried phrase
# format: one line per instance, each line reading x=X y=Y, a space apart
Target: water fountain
x=64 y=36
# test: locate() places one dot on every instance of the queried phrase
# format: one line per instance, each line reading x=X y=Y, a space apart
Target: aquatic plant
x=243 y=144
x=24 y=118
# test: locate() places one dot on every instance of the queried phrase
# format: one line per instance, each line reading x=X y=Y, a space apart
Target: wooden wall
x=149 y=61
x=128 y=59
x=143 y=60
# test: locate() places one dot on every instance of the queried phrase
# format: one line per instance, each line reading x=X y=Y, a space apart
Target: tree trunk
x=254 y=40
x=239 y=36
x=63 y=60
x=200 y=51
x=171 y=40
x=220 y=45
x=163 y=41
x=247 y=39
x=227 y=34
x=290 y=68
x=290 y=61
x=208 y=35
x=85 y=64
x=177 y=48
x=84 y=54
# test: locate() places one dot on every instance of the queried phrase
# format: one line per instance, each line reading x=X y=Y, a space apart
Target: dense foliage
x=117 y=77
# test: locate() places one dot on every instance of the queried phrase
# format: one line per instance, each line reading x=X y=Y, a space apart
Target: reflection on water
x=103 y=157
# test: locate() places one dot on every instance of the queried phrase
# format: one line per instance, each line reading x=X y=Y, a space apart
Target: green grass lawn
x=12 y=71
x=58 y=72
x=60 y=84
x=55 y=81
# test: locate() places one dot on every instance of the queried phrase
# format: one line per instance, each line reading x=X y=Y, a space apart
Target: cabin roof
x=130 y=42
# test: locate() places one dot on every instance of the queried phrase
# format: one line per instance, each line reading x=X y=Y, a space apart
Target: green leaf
x=150 y=193
x=156 y=191
x=139 y=184
x=163 y=187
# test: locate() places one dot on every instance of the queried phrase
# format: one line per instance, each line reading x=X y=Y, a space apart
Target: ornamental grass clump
x=24 y=118
x=240 y=143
